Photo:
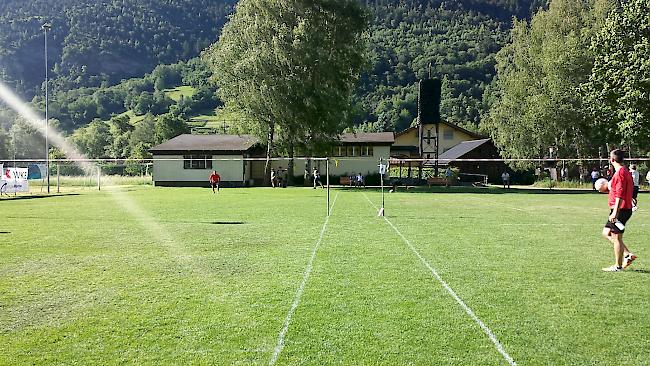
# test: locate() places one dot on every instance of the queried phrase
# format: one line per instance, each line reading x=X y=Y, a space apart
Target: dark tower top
x=429 y=101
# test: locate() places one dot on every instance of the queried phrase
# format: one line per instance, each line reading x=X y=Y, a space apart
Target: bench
x=345 y=181
x=436 y=181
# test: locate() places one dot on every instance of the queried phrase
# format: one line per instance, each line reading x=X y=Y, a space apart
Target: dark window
x=364 y=150
x=339 y=151
x=197 y=162
x=448 y=135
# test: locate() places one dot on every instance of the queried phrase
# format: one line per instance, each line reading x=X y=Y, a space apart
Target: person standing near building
x=505 y=177
x=316 y=177
x=647 y=178
x=635 y=180
x=449 y=174
x=620 y=204
x=595 y=174
x=215 y=179
x=360 y=180
x=274 y=178
x=284 y=173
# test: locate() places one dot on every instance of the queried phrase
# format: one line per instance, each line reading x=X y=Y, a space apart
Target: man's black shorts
x=623 y=216
x=215 y=184
x=635 y=192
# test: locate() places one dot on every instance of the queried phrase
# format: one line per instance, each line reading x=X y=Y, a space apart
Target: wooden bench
x=436 y=181
x=345 y=181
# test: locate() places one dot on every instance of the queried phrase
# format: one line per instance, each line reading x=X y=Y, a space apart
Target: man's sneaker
x=635 y=208
x=629 y=259
x=613 y=269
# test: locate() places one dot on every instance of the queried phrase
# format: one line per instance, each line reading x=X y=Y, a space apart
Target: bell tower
x=429 y=119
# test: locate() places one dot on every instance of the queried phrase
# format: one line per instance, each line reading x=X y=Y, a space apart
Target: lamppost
x=46 y=28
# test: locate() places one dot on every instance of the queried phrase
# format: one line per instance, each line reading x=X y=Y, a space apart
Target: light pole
x=46 y=28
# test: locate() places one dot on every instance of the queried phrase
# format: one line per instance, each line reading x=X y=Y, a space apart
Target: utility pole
x=46 y=28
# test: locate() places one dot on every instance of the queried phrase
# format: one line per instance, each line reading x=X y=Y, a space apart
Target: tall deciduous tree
x=94 y=139
x=291 y=66
x=536 y=96
x=169 y=126
x=619 y=86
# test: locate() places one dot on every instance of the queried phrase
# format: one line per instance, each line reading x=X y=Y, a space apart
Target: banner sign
x=14 y=180
x=37 y=171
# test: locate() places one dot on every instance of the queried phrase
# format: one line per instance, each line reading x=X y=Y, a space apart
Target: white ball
x=602 y=185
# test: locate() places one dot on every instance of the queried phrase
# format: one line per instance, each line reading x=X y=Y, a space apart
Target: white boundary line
x=453 y=294
x=280 y=345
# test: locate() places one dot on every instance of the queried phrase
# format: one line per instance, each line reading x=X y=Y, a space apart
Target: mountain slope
x=99 y=43
x=102 y=41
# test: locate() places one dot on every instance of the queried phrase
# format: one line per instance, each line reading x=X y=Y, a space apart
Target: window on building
x=448 y=135
x=197 y=162
x=339 y=151
x=351 y=151
x=369 y=151
x=363 y=150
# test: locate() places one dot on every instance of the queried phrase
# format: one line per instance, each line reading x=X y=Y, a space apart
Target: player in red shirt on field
x=620 y=203
x=214 y=180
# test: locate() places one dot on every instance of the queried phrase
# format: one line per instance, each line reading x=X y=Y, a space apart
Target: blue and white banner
x=14 y=180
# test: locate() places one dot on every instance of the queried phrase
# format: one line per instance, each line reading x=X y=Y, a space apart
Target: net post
x=58 y=178
x=381 y=178
x=327 y=171
x=99 y=178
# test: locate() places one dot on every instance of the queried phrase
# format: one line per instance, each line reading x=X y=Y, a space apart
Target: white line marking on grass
x=453 y=294
x=280 y=345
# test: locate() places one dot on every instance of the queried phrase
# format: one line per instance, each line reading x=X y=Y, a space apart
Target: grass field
x=249 y=275
x=182 y=91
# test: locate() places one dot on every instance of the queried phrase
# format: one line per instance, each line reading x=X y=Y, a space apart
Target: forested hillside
x=118 y=56
x=102 y=41
x=458 y=38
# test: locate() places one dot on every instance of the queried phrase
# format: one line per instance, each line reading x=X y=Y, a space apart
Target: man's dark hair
x=619 y=155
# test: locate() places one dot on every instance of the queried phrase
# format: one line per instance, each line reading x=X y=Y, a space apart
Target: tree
x=291 y=66
x=93 y=140
x=618 y=90
x=120 y=130
x=142 y=138
x=536 y=96
x=5 y=145
x=26 y=141
x=169 y=126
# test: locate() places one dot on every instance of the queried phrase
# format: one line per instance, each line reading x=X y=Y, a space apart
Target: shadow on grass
x=226 y=223
x=5 y=232
x=474 y=190
x=644 y=271
x=38 y=196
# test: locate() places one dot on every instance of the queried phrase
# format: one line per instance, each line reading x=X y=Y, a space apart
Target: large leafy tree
x=94 y=139
x=169 y=126
x=536 y=99
x=291 y=66
x=619 y=86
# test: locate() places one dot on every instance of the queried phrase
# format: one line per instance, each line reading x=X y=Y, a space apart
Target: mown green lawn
x=183 y=276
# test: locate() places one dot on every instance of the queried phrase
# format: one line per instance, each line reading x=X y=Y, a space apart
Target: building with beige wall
x=187 y=160
x=360 y=153
x=407 y=142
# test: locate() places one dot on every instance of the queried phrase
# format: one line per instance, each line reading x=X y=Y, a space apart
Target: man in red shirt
x=214 y=180
x=620 y=203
